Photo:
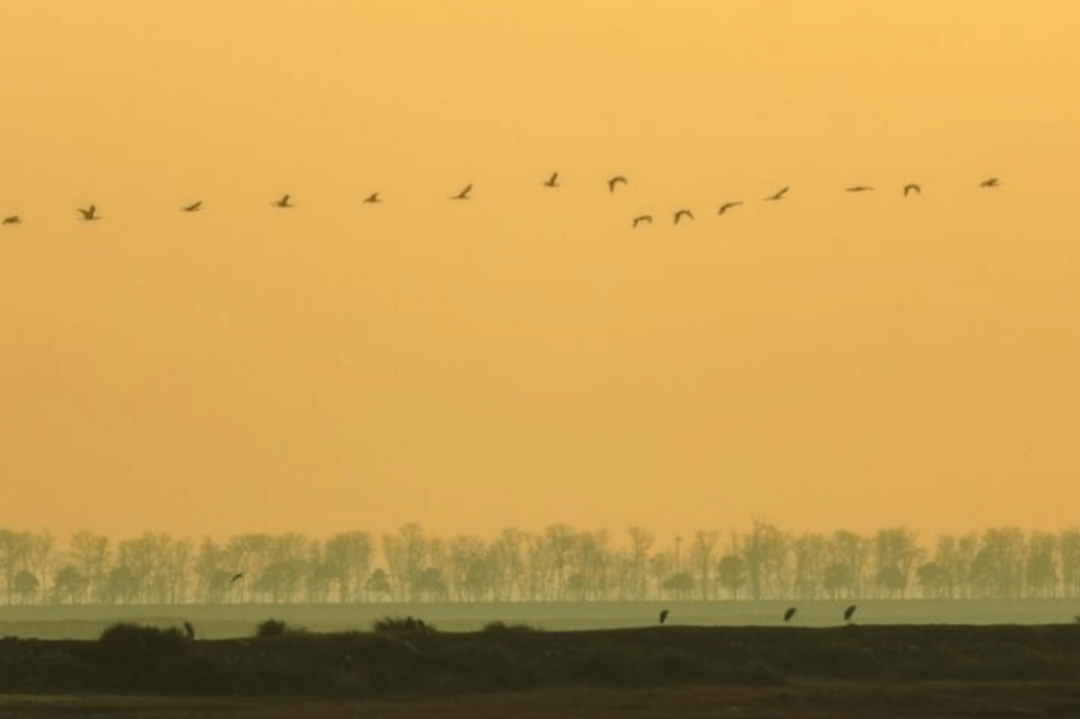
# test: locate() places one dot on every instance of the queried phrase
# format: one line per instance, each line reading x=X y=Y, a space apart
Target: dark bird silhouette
x=464 y=194
x=778 y=196
x=615 y=181
x=848 y=612
x=858 y=188
x=663 y=616
x=190 y=630
x=683 y=213
x=553 y=181
x=13 y=220
x=642 y=218
x=236 y=576
x=728 y=205
x=193 y=207
x=283 y=202
x=912 y=187
x=89 y=214
x=992 y=182
x=372 y=198
x=789 y=614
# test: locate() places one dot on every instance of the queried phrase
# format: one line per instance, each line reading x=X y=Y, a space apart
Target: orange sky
x=831 y=360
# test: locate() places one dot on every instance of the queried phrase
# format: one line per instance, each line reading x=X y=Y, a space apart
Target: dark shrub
x=397 y=624
x=498 y=626
x=271 y=628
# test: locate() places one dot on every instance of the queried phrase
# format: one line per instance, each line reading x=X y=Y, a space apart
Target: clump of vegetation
x=271 y=628
x=498 y=626
x=132 y=639
x=397 y=624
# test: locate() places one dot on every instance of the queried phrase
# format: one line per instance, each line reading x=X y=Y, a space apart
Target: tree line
x=560 y=563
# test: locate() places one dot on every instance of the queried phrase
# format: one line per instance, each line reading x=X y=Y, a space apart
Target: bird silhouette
x=89 y=214
x=372 y=198
x=642 y=218
x=848 y=612
x=553 y=181
x=992 y=182
x=12 y=220
x=858 y=188
x=190 y=630
x=683 y=213
x=193 y=207
x=789 y=614
x=728 y=205
x=283 y=202
x=464 y=194
x=663 y=615
x=778 y=195
x=615 y=181
x=912 y=187
x=236 y=576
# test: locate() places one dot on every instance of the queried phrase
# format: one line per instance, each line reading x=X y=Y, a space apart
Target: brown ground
x=811 y=699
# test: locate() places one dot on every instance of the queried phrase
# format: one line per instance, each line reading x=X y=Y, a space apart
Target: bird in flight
x=372 y=198
x=236 y=576
x=283 y=202
x=615 y=181
x=193 y=207
x=789 y=614
x=848 y=612
x=464 y=194
x=992 y=182
x=553 y=181
x=89 y=214
x=912 y=187
x=858 y=188
x=727 y=206
x=683 y=213
x=663 y=616
x=642 y=218
x=13 y=220
x=779 y=195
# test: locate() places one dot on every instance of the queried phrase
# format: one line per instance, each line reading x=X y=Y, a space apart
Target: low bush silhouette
x=271 y=628
x=498 y=626
x=397 y=624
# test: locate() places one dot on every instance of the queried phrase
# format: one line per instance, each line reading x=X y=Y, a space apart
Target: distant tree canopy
x=560 y=563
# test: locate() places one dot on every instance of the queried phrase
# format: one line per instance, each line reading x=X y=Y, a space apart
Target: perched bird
x=283 y=202
x=992 y=182
x=236 y=576
x=13 y=220
x=553 y=181
x=372 y=198
x=642 y=218
x=663 y=616
x=858 y=188
x=848 y=612
x=89 y=214
x=912 y=187
x=615 y=181
x=190 y=630
x=779 y=195
x=727 y=206
x=193 y=207
x=789 y=614
x=464 y=194
x=683 y=213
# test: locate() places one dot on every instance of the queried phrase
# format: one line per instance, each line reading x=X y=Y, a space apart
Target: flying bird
x=789 y=614
x=13 y=220
x=663 y=616
x=236 y=576
x=642 y=218
x=89 y=214
x=193 y=207
x=848 y=612
x=683 y=213
x=727 y=206
x=615 y=181
x=779 y=195
x=372 y=198
x=912 y=187
x=992 y=182
x=283 y=202
x=464 y=194
x=858 y=188
x=553 y=181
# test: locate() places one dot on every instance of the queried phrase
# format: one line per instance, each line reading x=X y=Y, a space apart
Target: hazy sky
x=524 y=358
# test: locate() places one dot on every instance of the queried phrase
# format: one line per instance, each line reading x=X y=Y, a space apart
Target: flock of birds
x=89 y=214
x=788 y=614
